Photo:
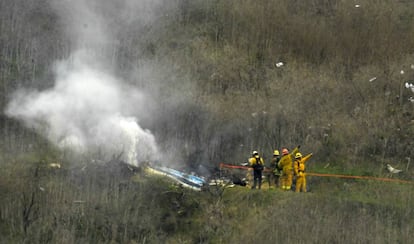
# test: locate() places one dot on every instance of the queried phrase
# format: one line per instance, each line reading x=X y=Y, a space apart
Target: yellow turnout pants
x=287 y=178
x=301 y=183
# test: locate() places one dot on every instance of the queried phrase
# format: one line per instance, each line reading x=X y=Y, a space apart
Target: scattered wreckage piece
x=221 y=183
x=393 y=170
x=187 y=180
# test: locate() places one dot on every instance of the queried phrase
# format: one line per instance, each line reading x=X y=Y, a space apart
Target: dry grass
x=220 y=92
x=110 y=207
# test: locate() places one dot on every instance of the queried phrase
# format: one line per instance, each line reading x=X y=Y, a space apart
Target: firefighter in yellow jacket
x=299 y=168
x=286 y=164
x=257 y=163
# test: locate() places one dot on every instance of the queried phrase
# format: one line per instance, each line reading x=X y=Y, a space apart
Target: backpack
x=258 y=165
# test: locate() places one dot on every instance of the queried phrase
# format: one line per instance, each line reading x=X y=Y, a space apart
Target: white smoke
x=87 y=109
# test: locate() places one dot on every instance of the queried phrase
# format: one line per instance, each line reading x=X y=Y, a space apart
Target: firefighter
x=299 y=169
x=274 y=171
x=257 y=163
x=286 y=164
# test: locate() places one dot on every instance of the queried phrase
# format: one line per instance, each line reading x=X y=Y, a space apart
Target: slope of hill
x=111 y=203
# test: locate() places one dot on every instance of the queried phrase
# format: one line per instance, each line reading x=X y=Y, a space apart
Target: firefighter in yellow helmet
x=299 y=169
x=257 y=163
x=286 y=164
x=274 y=171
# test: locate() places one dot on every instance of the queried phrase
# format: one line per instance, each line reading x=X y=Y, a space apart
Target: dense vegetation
x=108 y=203
x=215 y=94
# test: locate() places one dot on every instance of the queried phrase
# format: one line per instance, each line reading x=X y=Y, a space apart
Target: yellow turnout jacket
x=286 y=161
x=299 y=165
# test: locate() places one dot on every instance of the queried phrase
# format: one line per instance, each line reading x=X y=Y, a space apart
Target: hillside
x=111 y=204
x=90 y=85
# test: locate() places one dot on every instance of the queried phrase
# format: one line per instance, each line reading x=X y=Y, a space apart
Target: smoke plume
x=88 y=109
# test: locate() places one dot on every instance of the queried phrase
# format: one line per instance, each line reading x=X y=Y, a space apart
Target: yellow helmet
x=298 y=155
x=276 y=152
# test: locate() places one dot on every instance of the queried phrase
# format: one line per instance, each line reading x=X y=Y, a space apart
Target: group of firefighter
x=283 y=168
